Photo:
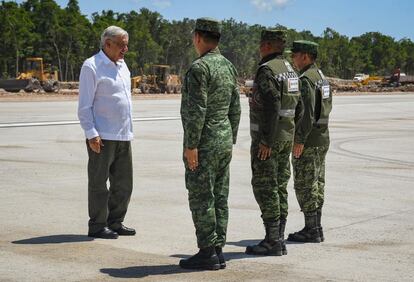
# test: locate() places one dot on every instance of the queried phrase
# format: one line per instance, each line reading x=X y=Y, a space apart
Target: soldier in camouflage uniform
x=210 y=114
x=311 y=141
x=272 y=110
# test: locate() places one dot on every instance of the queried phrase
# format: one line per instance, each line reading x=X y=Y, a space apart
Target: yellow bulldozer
x=160 y=80
x=36 y=76
x=365 y=79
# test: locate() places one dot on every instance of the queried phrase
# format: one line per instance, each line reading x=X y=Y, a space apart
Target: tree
x=65 y=38
x=16 y=36
x=76 y=39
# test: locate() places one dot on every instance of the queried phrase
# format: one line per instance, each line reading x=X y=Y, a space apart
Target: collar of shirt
x=215 y=50
x=269 y=57
x=104 y=58
x=307 y=67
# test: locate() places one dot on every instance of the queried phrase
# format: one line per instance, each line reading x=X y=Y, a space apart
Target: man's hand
x=95 y=144
x=191 y=156
x=264 y=152
x=297 y=150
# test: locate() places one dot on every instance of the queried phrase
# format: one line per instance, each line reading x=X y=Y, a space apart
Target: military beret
x=208 y=24
x=273 y=34
x=305 y=46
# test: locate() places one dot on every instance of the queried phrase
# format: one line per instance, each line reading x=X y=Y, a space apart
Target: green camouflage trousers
x=269 y=180
x=208 y=190
x=309 y=178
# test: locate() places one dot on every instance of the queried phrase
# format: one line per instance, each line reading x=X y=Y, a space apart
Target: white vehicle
x=360 y=77
x=248 y=87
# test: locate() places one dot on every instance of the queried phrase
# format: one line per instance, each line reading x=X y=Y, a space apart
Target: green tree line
x=64 y=38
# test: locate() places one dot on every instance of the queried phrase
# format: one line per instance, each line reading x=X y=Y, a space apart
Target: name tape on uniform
x=326 y=91
x=293 y=84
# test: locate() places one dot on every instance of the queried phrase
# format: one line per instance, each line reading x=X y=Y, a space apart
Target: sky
x=348 y=17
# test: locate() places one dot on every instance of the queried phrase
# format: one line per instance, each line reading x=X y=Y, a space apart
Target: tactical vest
x=323 y=94
x=323 y=107
x=290 y=94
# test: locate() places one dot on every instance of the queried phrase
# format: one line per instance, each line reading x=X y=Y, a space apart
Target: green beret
x=208 y=24
x=305 y=46
x=273 y=34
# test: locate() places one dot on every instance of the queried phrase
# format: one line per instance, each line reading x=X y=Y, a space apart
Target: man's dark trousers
x=107 y=207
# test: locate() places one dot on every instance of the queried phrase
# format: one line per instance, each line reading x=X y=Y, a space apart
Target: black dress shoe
x=125 y=231
x=105 y=233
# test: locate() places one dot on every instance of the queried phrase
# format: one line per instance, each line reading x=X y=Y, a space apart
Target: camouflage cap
x=208 y=24
x=305 y=46
x=273 y=34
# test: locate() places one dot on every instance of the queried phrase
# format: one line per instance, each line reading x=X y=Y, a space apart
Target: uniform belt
x=287 y=113
x=322 y=121
x=254 y=127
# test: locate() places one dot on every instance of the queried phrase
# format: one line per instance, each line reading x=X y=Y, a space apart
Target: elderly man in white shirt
x=104 y=113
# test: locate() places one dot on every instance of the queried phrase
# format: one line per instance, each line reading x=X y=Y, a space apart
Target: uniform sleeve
x=269 y=91
x=87 y=88
x=299 y=110
x=195 y=106
x=305 y=124
x=235 y=112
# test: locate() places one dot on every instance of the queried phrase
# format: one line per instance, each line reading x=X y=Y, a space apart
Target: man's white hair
x=112 y=32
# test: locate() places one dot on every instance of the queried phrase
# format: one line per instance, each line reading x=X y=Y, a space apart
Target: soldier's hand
x=95 y=144
x=191 y=156
x=297 y=150
x=264 y=152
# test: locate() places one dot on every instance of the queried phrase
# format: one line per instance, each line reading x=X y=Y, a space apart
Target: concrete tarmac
x=368 y=216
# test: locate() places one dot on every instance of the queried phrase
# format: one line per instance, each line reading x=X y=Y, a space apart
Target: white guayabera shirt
x=105 y=107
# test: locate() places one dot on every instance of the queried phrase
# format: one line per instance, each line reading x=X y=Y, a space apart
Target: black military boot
x=310 y=233
x=282 y=226
x=270 y=245
x=318 y=222
x=222 y=261
x=206 y=259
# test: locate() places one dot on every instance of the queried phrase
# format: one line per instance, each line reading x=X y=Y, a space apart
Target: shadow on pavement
x=55 y=239
x=143 y=271
x=227 y=255
x=294 y=243
x=244 y=243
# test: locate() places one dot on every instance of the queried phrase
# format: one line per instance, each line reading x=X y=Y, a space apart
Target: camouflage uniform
x=272 y=110
x=210 y=114
x=313 y=132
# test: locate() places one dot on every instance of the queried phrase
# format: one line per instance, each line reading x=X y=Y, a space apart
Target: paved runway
x=368 y=218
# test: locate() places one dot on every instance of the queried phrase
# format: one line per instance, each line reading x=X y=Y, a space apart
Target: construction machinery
x=368 y=80
x=36 y=76
x=160 y=80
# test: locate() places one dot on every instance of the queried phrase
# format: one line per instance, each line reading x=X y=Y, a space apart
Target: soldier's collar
x=307 y=67
x=215 y=50
x=270 y=57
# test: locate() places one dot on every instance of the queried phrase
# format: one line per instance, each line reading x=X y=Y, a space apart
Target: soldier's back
x=221 y=78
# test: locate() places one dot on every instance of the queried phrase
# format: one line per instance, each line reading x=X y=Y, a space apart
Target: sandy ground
x=368 y=217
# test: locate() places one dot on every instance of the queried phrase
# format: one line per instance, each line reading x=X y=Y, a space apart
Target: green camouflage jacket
x=210 y=103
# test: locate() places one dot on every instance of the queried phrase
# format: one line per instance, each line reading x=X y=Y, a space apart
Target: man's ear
x=198 y=38
x=107 y=44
